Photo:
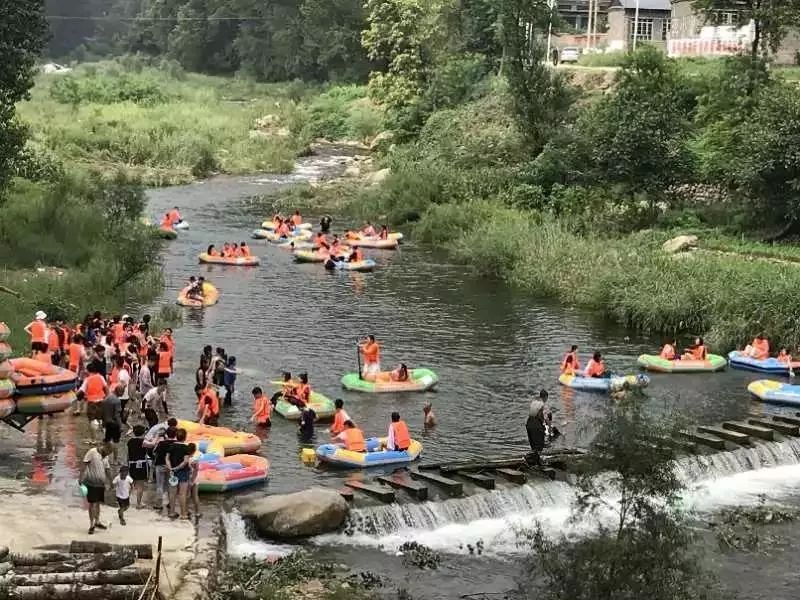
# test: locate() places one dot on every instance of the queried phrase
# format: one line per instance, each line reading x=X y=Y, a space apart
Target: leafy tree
x=771 y=19
x=643 y=548
x=539 y=94
x=332 y=39
x=22 y=37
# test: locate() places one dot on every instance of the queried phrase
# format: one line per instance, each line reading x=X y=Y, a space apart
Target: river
x=493 y=349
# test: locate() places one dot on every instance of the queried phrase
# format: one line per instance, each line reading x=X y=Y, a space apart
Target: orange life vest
x=164 y=362
x=209 y=393
x=297 y=219
x=762 y=347
x=245 y=250
x=262 y=409
x=402 y=439
x=75 y=353
x=118 y=331
x=698 y=353
x=595 y=368
x=371 y=352
x=95 y=388
x=303 y=392
x=573 y=366
x=667 y=352
x=339 y=418
x=53 y=344
x=174 y=215
x=38 y=332
x=354 y=440
x=166 y=222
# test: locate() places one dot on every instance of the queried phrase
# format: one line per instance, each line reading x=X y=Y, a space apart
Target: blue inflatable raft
x=775 y=392
x=738 y=360
x=335 y=454
x=604 y=384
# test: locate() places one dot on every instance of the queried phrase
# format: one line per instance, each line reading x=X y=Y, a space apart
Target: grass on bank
x=166 y=126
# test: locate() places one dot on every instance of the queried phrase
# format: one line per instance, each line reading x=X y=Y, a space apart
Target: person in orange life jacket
x=696 y=351
x=56 y=342
x=235 y=250
x=356 y=255
x=117 y=329
x=668 y=350
x=93 y=390
x=595 y=368
x=212 y=250
x=369 y=230
x=244 y=249
x=175 y=216
x=302 y=391
x=208 y=406
x=398 y=438
x=37 y=329
x=287 y=391
x=164 y=363
x=370 y=350
x=320 y=241
x=339 y=418
x=262 y=408
x=282 y=230
x=297 y=218
x=352 y=438
x=75 y=354
x=167 y=338
x=166 y=222
x=570 y=363
x=335 y=247
x=758 y=348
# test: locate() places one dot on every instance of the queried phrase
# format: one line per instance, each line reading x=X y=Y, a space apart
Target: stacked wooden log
x=80 y=571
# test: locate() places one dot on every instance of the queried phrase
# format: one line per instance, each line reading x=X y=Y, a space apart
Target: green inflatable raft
x=420 y=380
x=712 y=363
x=322 y=405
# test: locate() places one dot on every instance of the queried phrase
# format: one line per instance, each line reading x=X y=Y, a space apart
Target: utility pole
x=589 y=25
x=636 y=25
x=551 y=4
x=596 y=14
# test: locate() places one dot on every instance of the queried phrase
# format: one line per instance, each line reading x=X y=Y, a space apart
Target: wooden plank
x=451 y=486
x=761 y=433
x=784 y=428
x=381 y=492
x=512 y=475
x=726 y=434
x=783 y=419
x=704 y=440
x=404 y=482
x=481 y=465
x=346 y=493
x=478 y=479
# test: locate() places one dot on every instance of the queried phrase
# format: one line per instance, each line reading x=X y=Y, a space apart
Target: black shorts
x=124 y=502
x=113 y=433
x=39 y=347
x=97 y=493
x=94 y=410
x=163 y=376
x=137 y=473
x=266 y=423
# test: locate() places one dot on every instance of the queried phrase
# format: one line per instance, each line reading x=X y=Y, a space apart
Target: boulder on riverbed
x=682 y=243
x=302 y=514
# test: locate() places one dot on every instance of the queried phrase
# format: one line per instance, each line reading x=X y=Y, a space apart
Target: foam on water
x=241 y=544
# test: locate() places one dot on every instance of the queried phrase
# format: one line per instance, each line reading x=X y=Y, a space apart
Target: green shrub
x=104 y=89
x=602 y=59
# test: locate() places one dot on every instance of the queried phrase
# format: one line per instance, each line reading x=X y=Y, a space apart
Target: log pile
x=80 y=571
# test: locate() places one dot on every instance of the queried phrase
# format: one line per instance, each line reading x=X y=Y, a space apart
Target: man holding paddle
x=371 y=351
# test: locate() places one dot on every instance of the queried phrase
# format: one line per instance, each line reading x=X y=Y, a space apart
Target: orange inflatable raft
x=218 y=474
x=45 y=404
x=221 y=438
x=34 y=377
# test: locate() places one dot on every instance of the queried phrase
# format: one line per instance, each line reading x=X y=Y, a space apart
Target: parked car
x=570 y=54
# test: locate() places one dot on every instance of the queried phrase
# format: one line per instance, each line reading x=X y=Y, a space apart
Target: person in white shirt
x=145 y=381
x=122 y=488
x=155 y=397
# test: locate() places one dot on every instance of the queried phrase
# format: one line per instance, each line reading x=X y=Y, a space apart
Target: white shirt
x=124 y=379
x=122 y=487
x=145 y=379
x=390 y=438
x=151 y=397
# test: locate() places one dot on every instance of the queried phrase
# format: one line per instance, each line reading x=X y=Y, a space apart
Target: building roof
x=665 y=5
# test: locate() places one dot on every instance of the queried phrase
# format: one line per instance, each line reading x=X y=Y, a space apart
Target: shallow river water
x=492 y=348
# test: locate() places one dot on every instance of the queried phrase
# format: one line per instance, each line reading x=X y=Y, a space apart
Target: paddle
x=358 y=359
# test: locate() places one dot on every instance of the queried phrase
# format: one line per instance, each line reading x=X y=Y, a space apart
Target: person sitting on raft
x=352 y=438
x=784 y=357
x=399 y=374
x=297 y=218
x=758 y=348
x=398 y=438
x=384 y=234
x=697 y=351
x=166 y=222
x=570 y=364
x=351 y=235
x=212 y=250
x=668 y=350
x=595 y=368
x=369 y=230
x=234 y=250
x=282 y=229
x=287 y=392
x=321 y=242
x=195 y=290
x=302 y=391
x=335 y=248
x=175 y=216
x=244 y=249
x=356 y=256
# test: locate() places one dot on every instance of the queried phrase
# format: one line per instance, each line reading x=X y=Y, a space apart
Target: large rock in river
x=302 y=514
x=682 y=243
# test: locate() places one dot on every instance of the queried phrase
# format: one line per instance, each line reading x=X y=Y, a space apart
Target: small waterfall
x=761 y=455
x=383 y=520
x=241 y=542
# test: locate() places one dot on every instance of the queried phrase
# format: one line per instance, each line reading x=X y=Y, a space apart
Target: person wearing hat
x=37 y=329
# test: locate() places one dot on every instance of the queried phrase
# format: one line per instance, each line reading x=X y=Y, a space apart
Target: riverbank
x=165 y=126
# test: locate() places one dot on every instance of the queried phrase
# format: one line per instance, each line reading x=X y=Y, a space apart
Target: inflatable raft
x=238 y=261
x=310 y=256
x=775 y=391
x=388 y=244
x=6 y=388
x=321 y=405
x=181 y=225
x=222 y=474
x=738 y=360
x=45 y=404
x=33 y=377
x=302 y=235
x=604 y=384
x=210 y=297
x=712 y=363
x=220 y=440
x=167 y=234
x=420 y=380
x=270 y=226
x=335 y=454
x=5 y=350
x=343 y=265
